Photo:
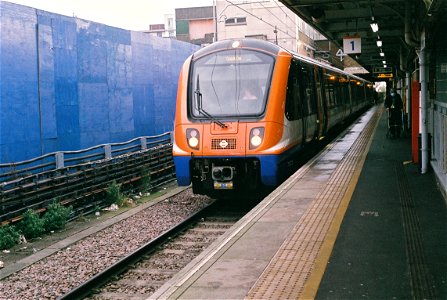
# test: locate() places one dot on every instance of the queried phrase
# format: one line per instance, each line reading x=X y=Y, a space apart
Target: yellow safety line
x=311 y=287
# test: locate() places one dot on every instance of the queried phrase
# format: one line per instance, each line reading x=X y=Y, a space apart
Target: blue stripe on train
x=273 y=167
x=182 y=170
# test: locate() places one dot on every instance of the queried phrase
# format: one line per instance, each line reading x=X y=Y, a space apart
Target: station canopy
x=363 y=29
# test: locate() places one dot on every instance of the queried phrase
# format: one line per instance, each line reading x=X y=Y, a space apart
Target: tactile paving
x=289 y=270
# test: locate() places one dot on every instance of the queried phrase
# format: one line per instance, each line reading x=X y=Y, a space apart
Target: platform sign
x=383 y=70
x=384 y=75
x=352 y=44
x=340 y=54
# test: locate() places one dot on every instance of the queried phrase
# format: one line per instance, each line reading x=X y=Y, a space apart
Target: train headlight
x=193 y=137
x=256 y=137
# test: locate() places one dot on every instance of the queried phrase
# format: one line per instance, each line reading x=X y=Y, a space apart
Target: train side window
x=329 y=82
x=293 y=100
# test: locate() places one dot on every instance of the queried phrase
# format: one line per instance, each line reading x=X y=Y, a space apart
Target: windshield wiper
x=199 y=105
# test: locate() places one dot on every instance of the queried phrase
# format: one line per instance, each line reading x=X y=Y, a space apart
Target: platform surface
x=393 y=240
x=340 y=227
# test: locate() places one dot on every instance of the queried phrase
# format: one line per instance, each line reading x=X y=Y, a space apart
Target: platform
x=356 y=221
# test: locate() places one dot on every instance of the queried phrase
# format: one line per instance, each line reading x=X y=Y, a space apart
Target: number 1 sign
x=352 y=44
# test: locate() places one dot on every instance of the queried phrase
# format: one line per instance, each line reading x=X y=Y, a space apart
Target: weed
x=31 y=225
x=56 y=216
x=145 y=181
x=114 y=195
x=9 y=236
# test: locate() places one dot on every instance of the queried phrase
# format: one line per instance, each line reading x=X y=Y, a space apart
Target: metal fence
x=80 y=178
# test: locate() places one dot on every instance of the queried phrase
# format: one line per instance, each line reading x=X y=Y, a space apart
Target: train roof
x=242 y=43
x=268 y=47
x=324 y=65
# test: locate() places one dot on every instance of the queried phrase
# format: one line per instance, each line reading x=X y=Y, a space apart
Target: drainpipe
x=215 y=20
x=423 y=104
x=408 y=97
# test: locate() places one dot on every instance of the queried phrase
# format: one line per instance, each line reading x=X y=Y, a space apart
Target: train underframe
x=211 y=175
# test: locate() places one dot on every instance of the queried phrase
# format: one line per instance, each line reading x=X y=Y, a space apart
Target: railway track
x=140 y=274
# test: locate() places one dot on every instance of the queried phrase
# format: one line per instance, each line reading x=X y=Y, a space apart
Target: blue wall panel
x=47 y=104
x=68 y=84
x=19 y=95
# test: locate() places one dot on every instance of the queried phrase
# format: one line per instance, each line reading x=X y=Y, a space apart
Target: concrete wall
x=68 y=84
x=198 y=28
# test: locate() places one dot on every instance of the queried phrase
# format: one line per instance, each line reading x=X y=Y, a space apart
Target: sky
x=127 y=14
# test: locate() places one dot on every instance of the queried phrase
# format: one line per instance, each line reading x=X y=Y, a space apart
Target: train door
x=309 y=105
x=351 y=96
x=321 y=103
x=344 y=95
x=294 y=105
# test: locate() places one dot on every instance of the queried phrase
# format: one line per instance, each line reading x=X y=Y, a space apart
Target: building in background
x=267 y=20
x=261 y=19
x=271 y=20
x=166 y=30
x=157 y=30
x=195 y=25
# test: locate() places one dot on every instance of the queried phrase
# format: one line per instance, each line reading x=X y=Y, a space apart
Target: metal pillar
x=215 y=20
x=423 y=104
x=408 y=98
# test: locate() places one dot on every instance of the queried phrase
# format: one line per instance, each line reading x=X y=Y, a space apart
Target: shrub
x=31 y=225
x=56 y=216
x=114 y=195
x=9 y=236
x=145 y=181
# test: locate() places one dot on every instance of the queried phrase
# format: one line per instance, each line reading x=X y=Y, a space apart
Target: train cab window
x=230 y=83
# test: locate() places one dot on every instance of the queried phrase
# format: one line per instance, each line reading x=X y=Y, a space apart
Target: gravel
x=55 y=275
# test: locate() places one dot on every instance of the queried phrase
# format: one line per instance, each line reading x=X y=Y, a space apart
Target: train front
x=226 y=124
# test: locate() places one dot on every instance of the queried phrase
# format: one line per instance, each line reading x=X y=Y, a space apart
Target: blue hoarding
x=68 y=83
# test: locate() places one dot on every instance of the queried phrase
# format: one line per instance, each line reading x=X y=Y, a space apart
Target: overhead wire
x=281 y=8
x=248 y=12
x=269 y=10
x=238 y=5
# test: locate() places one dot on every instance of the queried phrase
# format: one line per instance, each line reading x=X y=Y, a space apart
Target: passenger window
x=329 y=82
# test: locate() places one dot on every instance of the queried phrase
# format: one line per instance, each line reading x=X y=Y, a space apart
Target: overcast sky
x=127 y=14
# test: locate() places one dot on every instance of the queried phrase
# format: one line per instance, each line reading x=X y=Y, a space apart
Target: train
x=247 y=108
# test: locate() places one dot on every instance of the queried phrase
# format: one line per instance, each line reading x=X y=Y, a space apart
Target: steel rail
x=123 y=264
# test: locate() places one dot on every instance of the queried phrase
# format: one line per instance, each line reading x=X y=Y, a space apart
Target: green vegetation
x=145 y=181
x=56 y=216
x=9 y=236
x=31 y=225
x=114 y=195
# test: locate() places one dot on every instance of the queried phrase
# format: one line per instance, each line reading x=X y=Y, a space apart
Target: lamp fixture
x=379 y=42
x=384 y=66
x=374 y=26
x=382 y=54
x=384 y=62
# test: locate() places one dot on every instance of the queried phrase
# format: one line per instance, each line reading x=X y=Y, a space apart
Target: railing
x=79 y=178
x=62 y=159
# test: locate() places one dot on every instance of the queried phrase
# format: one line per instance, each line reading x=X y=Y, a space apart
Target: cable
x=274 y=14
x=281 y=8
x=273 y=26
x=269 y=24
